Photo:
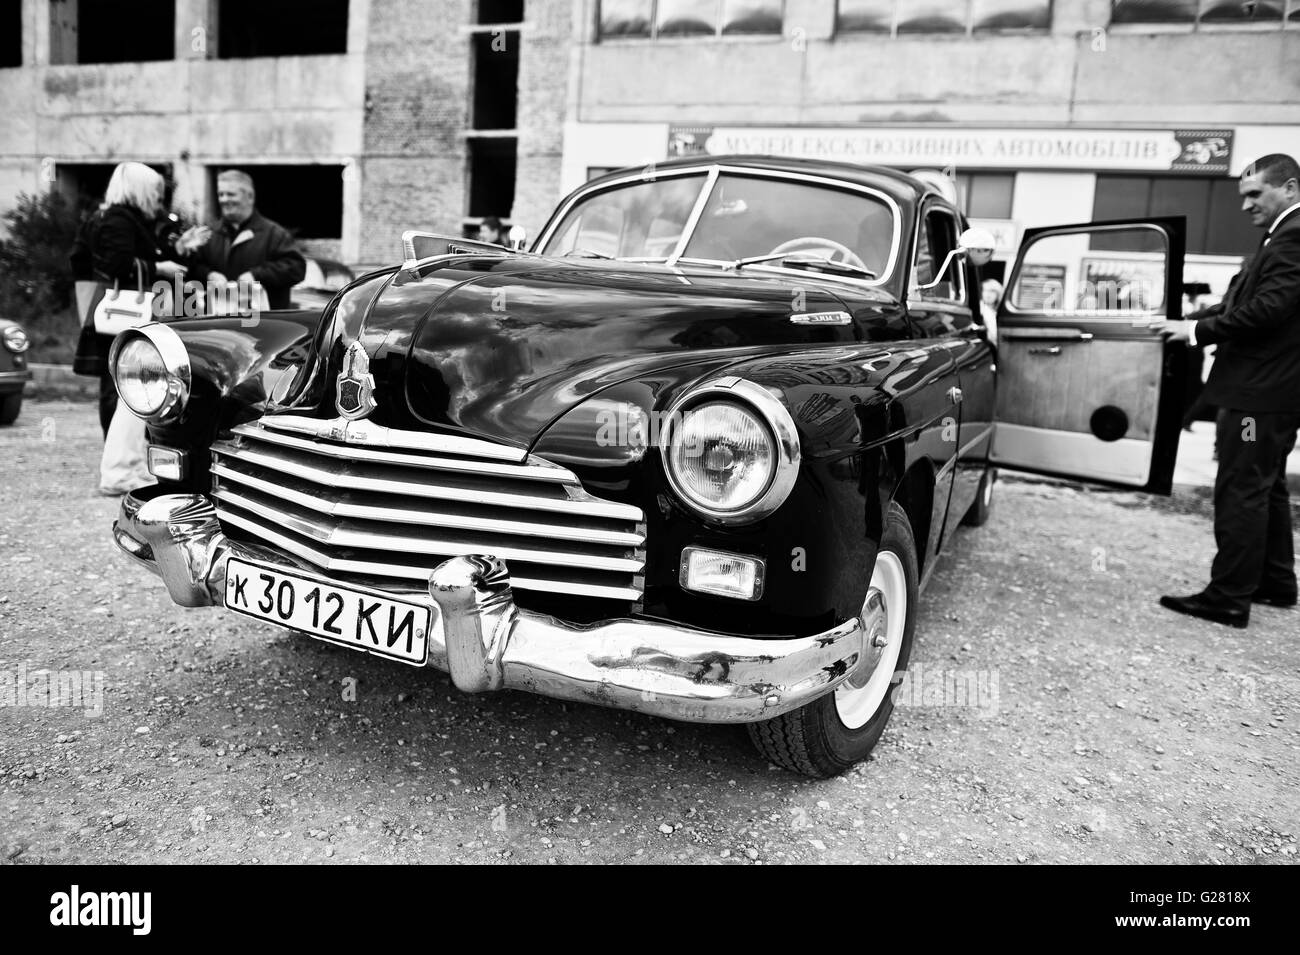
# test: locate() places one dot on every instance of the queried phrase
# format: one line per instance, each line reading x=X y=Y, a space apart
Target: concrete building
x=1039 y=112
x=361 y=118
x=357 y=118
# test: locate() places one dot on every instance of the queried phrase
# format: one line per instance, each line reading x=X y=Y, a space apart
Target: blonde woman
x=124 y=252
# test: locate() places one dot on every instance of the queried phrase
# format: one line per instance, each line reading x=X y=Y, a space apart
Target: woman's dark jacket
x=122 y=236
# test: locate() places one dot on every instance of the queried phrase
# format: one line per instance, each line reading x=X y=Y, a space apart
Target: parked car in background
x=14 y=373
x=695 y=454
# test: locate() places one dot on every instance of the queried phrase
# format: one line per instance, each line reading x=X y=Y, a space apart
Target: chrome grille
x=362 y=501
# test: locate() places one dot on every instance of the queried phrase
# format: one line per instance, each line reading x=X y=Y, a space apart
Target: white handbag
x=118 y=311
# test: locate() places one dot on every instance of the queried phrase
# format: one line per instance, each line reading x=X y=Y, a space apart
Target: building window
x=83 y=184
x=942 y=16
x=1215 y=223
x=679 y=18
x=306 y=199
x=500 y=11
x=985 y=195
x=11 y=33
x=249 y=28
x=96 y=31
x=1202 y=11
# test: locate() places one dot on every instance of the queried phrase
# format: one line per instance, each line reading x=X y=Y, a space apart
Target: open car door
x=1085 y=388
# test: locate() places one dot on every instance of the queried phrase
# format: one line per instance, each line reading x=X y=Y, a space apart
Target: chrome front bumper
x=486 y=642
x=14 y=380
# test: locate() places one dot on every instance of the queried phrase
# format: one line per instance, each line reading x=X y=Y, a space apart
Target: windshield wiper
x=830 y=265
x=755 y=259
x=798 y=260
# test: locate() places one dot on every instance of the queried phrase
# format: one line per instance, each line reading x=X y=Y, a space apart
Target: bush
x=35 y=277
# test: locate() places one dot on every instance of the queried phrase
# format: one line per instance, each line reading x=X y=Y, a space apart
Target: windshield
x=744 y=217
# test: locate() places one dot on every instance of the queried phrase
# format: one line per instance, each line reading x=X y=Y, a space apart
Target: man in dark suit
x=1255 y=382
x=245 y=247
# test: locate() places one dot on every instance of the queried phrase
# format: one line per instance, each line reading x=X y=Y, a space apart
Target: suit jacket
x=260 y=246
x=1257 y=329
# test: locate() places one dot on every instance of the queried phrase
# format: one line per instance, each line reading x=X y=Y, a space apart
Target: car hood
x=502 y=348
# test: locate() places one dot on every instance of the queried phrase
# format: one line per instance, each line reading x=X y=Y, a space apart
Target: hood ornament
x=356 y=386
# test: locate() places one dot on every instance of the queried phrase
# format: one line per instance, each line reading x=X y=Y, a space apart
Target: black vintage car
x=695 y=454
x=14 y=373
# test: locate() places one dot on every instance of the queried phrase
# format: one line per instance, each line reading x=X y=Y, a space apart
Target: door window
x=936 y=238
x=1080 y=273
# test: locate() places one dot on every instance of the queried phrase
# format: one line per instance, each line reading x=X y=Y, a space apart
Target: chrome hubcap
x=858 y=697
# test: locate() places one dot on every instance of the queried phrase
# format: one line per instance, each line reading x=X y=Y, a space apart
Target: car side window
x=936 y=238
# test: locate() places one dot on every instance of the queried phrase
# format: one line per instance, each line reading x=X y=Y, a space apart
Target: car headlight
x=152 y=371
x=15 y=339
x=732 y=452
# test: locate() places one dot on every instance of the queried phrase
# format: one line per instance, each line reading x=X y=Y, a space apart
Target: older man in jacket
x=246 y=246
x=1255 y=382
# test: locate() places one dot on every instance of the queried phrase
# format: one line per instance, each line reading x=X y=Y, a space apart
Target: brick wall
x=417 y=88
x=543 y=90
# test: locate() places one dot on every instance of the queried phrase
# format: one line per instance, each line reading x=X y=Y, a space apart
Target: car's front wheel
x=10 y=405
x=832 y=734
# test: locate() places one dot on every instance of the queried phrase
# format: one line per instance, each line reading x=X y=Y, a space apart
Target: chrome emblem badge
x=356 y=386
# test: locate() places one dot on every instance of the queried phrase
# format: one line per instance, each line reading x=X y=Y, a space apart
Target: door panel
x=1085 y=388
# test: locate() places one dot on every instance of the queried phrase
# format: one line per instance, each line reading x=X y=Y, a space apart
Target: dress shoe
x=1198 y=606
x=1274 y=598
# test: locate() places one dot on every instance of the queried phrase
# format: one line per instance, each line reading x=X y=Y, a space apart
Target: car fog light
x=721 y=574
x=167 y=464
x=15 y=339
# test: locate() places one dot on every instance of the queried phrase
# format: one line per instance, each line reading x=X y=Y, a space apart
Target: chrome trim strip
x=396 y=515
x=365 y=540
x=14 y=376
x=821 y=318
x=533 y=471
x=575 y=504
x=965 y=448
x=407 y=572
x=372 y=435
x=693 y=219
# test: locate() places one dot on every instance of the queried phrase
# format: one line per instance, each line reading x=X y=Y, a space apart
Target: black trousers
x=107 y=401
x=1252 y=510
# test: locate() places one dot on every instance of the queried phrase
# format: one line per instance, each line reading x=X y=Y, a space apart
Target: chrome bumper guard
x=486 y=642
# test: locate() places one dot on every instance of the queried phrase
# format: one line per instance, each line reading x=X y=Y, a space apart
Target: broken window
x=1191 y=11
x=11 y=33
x=496 y=79
x=669 y=18
x=306 y=199
x=942 y=16
x=98 y=31
x=248 y=28
x=500 y=11
x=492 y=164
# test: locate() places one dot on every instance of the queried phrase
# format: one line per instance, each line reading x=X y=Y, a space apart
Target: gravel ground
x=1062 y=716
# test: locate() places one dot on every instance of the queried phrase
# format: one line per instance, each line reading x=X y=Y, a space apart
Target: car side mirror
x=518 y=237
x=973 y=244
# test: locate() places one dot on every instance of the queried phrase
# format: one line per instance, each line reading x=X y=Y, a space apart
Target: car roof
x=898 y=185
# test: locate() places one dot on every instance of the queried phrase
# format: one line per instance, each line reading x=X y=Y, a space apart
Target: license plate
x=355 y=618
